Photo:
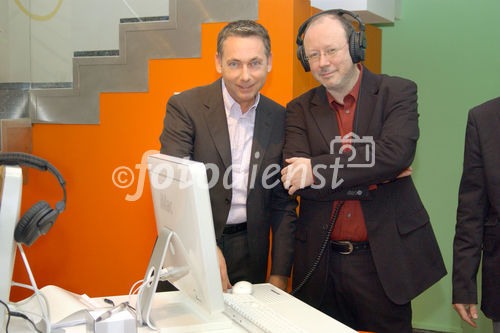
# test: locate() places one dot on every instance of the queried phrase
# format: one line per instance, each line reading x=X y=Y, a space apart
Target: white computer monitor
x=186 y=246
x=11 y=181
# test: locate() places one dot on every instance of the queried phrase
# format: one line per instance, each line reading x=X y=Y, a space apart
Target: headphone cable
x=333 y=219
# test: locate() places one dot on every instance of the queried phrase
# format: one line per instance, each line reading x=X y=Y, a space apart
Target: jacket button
x=227 y=201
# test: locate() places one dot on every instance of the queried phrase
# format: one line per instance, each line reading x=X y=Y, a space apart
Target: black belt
x=348 y=247
x=234 y=228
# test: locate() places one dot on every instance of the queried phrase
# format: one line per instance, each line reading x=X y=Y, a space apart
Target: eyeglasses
x=330 y=53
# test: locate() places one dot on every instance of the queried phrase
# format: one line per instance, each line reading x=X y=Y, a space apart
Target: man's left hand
x=468 y=312
x=297 y=175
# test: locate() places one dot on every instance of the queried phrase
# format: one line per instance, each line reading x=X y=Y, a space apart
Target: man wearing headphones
x=364 y=243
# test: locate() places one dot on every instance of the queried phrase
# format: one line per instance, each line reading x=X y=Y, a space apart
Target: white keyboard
x=256 y=316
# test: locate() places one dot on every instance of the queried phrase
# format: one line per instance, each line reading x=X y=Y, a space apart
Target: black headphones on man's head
x=357 y=40
x=40 y=217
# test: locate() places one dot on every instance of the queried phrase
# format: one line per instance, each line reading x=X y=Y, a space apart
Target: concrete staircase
x=122 y=70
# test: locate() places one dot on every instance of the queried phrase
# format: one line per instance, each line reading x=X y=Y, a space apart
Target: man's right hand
x=223 y=271
x=467 y=312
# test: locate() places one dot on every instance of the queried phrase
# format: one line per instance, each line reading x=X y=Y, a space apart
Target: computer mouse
x=242 y=287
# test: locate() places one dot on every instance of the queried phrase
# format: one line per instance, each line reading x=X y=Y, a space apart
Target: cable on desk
x=25 y=317
x=109 y=301
x=17 y=314
x=8 y=316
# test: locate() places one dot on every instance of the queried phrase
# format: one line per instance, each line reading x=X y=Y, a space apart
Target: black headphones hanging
x=357 y=40
x=40 y=217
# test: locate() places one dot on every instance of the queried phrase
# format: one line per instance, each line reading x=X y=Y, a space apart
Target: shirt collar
x=233 y=108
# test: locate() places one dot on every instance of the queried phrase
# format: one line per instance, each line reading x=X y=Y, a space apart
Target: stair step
x=144 y=19
x=96 y=53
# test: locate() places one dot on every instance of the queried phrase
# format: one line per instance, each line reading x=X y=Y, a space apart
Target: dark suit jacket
x=478 y=213
x=403 y=246
x=195 y=125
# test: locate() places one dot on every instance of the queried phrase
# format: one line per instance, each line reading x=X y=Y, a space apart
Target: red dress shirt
x=350 y=224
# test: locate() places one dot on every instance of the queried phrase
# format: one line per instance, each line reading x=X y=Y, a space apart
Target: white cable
x=22 y=285
x=44 y=309
x=139 y=291
x=151 y=276
x=131 y=292
x=138 y=306
x=13 y=308
x=26 y=300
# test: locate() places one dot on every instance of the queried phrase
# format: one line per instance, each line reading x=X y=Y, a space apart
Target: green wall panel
x=451 y=49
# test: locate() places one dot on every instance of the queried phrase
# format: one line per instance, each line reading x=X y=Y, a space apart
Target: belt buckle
x=349 y=244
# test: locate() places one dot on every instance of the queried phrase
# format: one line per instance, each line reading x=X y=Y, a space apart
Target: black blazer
x=404 y=249
x=478 y=213
x=195 y=125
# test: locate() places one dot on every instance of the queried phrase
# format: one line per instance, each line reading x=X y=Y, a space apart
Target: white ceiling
x=370 y=11
x=322 y=4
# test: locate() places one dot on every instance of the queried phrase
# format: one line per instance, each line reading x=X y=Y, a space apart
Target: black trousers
x=234 y=247
x=355 y=296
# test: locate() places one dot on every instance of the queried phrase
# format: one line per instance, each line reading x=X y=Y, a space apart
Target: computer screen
x=11 y=181
x=186 y=246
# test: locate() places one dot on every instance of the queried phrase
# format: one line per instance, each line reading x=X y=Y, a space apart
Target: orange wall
x=101 y=244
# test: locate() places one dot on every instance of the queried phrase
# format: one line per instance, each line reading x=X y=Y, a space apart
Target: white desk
x=63 y=303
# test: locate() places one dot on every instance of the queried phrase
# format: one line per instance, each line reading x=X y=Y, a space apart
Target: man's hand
x=223 y=271
x=405 y=173
x=279 y=281
x=467 y=312
x=297 y=175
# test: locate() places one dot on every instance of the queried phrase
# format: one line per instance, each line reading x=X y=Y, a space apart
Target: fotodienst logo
x=360 y=152
x=162 y=176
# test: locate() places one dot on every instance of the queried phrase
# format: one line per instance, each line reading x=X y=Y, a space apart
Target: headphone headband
x=32 y=161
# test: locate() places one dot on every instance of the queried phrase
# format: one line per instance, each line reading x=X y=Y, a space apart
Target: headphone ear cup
x=357 y=47
x=354 y=47
x=36 y=221
x=302 y=58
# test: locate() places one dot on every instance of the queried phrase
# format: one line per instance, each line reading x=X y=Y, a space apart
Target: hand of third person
x=223 y=271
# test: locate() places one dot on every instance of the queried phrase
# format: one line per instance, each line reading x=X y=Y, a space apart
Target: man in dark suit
x=478 y=217
x=239 y=133
x=349 y=144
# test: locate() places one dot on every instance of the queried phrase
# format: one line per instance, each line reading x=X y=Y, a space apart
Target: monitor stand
x=10 y=205
x=178 y=313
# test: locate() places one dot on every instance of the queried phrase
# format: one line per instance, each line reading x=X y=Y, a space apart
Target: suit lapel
x=324 y=116
x=215 y=117
x=261 y=135
x=368 y=92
